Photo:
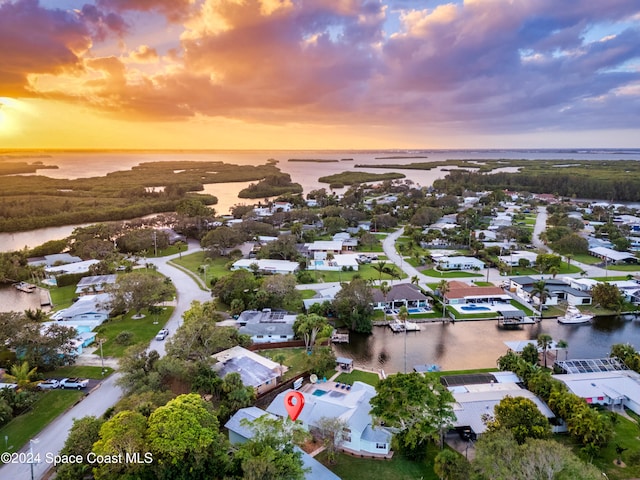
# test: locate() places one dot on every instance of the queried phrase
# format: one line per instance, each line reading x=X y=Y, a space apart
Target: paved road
x=52 y=438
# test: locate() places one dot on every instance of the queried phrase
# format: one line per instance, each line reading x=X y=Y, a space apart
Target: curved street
x=51 y=439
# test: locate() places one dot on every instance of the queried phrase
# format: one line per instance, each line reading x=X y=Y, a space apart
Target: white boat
x=574 y=316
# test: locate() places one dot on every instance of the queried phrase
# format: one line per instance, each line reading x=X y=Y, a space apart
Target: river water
x=478 y=344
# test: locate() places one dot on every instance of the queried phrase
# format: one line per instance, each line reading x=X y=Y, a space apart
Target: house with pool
x=352 y=405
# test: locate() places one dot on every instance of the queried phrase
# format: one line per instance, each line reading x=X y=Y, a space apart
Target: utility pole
x=155 y=244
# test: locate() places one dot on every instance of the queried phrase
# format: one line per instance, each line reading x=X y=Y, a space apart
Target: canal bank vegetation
x=30 y=202
x=271 y=186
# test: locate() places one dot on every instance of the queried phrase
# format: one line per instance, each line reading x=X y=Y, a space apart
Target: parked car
x=49 y=384
x=78 y=383
x=162 y=334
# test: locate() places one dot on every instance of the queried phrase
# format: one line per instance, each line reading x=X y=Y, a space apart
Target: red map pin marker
x=293 y=408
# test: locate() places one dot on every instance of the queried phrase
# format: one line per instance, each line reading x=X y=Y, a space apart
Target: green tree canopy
x=420 y=407
x=352 y=305
x=520 y=416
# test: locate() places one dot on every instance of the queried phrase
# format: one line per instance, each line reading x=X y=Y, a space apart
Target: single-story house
x=240 y=432
x=513 y=259
x=353 y=407
x=461 y=293
x=558 y=291
x=267 y=326
x=54 y=259
x=340 y=261
x=266 y=265
x=325 y=246
x=94 y=284
x=89 y=309
x=613 y=256
x=255 y=370
x=401 y=294
x=615 y=388
x=71 y=268
x=474 y=400
x=459 y=263
x=321 y=296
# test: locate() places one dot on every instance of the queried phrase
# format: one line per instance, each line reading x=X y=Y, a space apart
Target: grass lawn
x=564 y=268
x=82 y=371
x=143 y=329
x=626 y=436
x=307 y=294
x=365 y=271
x=609 y=278
x=216 y=267
x=624 y=268
x=62 y=297
x=26 y=426
x=451 y=274
x=294 y=358
x=462 y=372
x=585 y=258
x=398 y=468
x=459 y=316
x=520 y=306
x=359 y=376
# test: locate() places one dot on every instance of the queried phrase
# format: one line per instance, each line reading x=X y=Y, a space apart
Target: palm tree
x=22 y=375
x=35 y=315
x=544 y=342
x=385 y=288
x=443 y=288
x=380 y=267
x=415 y=280
x=554 y=271
x=539 y=289
x=279 y=358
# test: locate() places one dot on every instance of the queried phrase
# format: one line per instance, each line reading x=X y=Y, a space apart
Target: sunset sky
x=332 y=74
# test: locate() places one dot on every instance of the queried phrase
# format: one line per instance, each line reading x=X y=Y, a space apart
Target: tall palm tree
x=539 y=289
x=554 y=271
x=385 y=288
x=443 y=288
x=544 y=342
x=380 y=267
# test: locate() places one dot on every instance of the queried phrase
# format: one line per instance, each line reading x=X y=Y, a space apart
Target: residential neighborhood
x=283 y=312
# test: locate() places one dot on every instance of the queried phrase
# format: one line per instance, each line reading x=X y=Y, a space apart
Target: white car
x=50 y=384
x=162 y=334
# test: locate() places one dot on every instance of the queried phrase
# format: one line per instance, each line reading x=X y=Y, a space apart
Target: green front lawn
x=624 y=268
x=216 y=267
x=82 y=371
x=359 y=376
x=143 y=330
x=609 y=278
x=26 y=426
x=449 y=274
x=585 y=258
x=398 y=468
x=364 y=271
x=306 y=294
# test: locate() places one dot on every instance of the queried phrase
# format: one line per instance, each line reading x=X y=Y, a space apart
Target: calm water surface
x=465 y=345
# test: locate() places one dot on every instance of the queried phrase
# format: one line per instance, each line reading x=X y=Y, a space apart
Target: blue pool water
x=318 y=262
x=318 y=392
x=475 y=308
x=414 y=310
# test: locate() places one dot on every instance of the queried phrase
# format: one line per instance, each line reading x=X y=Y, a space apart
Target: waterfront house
x=477 y=395
x=618 y=388
x=255 y=370
x=558 y=291
x=88 y=309
x=401 y=294
x=321 y=296
x=462 y=293
x=240 y=431
x=267 y=326
x=352 y=406
x=94 y=284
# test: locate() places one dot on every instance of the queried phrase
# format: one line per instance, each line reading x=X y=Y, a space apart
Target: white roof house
x=88 y=310
x=459 y=263
x=325 y=246
x=611 y=255
x=619 y=387
x=325 y=295
x=255 y=370
x=266 y=326
x=240 y=432
x=352 y=406
x=474 y=401
x=94 y=284
x=77 y=267
x=267 y=265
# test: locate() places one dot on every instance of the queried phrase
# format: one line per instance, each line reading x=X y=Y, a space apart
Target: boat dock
x=25 y=287
x=340 y=338
x=517 y=322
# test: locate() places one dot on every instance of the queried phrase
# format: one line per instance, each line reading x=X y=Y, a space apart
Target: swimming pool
x=319 y=263
x=474 y=308
x=318 y=392
x=414 y=310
